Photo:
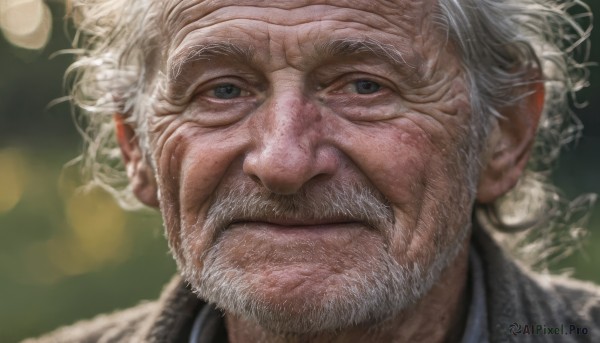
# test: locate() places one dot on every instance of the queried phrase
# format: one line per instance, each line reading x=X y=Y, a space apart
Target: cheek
x=171 y=146
x=190 y=167
x=420 y=174
x=396 y=159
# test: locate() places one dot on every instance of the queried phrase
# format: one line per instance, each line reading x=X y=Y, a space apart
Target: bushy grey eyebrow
x=351 y=46
x=207 y=52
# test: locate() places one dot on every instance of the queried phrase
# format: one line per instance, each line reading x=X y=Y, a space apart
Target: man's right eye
x=366 y=86
x=226 y=91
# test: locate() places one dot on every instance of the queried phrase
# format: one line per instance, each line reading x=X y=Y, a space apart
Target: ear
x=139 y=173
x=509 y=144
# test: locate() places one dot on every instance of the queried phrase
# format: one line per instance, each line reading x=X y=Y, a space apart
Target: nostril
x=256 y=179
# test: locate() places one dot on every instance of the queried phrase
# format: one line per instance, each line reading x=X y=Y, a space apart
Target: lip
x=295 y=222
x=297 y=227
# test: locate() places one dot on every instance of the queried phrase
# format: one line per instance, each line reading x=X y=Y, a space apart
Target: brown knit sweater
x=514 y=295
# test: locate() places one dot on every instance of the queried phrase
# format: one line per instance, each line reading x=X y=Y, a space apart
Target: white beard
x=377 y=288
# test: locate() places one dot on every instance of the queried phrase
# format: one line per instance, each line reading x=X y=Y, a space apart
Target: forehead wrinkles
x=182 y=17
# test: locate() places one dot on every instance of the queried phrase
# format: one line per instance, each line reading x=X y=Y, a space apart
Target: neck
x=438 y=317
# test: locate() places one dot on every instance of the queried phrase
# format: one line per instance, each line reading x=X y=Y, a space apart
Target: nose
x=290 y=146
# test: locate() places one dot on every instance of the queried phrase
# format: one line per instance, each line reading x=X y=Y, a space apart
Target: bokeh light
x=98 y=226
x=13 y=173
x=26 y=23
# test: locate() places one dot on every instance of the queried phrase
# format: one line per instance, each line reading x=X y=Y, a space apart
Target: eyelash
x=337 y=86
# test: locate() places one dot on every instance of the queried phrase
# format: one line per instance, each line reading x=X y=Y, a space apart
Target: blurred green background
x=66 y=256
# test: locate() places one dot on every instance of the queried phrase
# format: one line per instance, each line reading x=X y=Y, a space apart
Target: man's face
x=312 y=159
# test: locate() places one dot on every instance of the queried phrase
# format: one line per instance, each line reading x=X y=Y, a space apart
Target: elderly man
x=334 y=170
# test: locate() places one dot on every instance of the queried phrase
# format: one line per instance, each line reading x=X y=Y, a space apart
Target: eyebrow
x=206 y=52
x=351 y=47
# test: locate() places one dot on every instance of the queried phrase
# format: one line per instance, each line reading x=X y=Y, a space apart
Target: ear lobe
x=509 y=145
x=139 y=173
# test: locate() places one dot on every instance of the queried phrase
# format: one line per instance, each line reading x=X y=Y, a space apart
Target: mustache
x=335 y=201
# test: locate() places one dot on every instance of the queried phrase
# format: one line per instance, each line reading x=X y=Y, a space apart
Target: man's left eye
x=366 y=86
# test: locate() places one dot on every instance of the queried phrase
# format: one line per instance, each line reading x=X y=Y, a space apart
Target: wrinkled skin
x=292 y=118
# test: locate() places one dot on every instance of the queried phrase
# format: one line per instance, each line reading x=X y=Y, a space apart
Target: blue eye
x=366 y=86
x=227 y=91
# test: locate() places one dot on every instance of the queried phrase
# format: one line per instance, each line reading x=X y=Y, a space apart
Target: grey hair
x=117 y=54
x=500 y=43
